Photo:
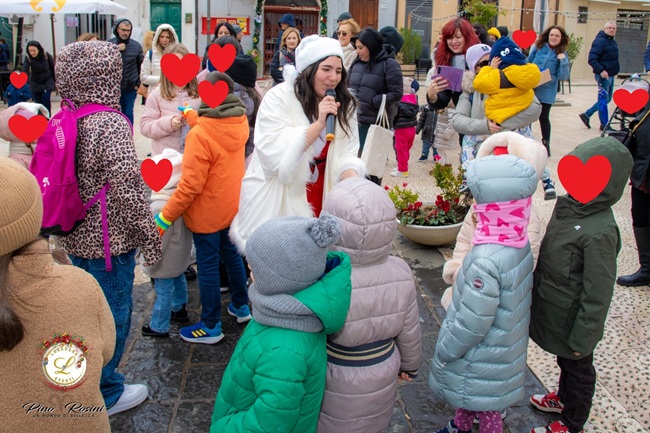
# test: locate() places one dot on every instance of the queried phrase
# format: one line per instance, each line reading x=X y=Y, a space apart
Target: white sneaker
x=133 y=396
x=397 y=173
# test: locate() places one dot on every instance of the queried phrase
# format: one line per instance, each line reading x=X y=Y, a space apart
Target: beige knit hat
x=21 y=207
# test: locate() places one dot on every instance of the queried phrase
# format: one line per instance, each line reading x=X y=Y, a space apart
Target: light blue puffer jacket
x=480 y=357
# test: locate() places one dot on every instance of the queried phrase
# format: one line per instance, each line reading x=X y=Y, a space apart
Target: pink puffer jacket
x=360 y=399
x=156 y=121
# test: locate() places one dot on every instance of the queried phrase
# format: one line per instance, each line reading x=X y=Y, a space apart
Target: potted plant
x=410 y=51
x=436 y=223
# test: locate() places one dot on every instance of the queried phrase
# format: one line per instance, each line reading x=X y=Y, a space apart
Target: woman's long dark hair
x=543 y=40
x=372 y=40
x=12 y=331
x=304 y=88
x=39 y=47
x=11 y=328
x=229 y=26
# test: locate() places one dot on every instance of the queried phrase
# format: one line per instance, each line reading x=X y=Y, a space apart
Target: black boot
x=547 y=145
x=642 y=276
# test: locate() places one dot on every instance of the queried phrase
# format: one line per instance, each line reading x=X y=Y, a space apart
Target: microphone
x=330 y=120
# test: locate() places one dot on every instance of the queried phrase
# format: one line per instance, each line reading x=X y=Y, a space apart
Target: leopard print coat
x=90 y=72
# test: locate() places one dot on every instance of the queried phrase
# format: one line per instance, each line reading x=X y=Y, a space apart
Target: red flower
x=405 y=184
x=386 y=188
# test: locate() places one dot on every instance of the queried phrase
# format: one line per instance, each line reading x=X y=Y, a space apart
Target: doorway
x=365 y=13
x=166 y=12
x=306 y=19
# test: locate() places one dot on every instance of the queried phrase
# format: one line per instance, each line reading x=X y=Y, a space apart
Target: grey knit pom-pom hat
x=289 y=254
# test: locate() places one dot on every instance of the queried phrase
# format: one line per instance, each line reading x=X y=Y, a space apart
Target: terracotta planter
x=430 y=235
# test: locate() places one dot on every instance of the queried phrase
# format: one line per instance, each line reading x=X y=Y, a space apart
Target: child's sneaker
x=397 y=173
x=423 y=157
x=549 y=189
x=243 y=313
x=547 y=403
x=199 y=333
x=437 y=157
x=180 y=316
x=451 y=428
x=556 y=427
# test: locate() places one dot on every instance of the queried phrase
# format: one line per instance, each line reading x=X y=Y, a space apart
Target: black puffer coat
x=132 y=58
x=369 y=84
x=407 y=115
x=640 y=149
x=40 y=71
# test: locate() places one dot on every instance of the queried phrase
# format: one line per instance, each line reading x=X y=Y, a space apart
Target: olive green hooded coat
x=576 y=270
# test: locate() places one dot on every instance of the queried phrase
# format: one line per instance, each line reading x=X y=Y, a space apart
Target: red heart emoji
x=18 y=79
x=213 y=94
x=524 y=39
x=180 y=71
x=156 y=175
x=584 y=181
x=27 y=130
x=222 y=58
x=630 y=102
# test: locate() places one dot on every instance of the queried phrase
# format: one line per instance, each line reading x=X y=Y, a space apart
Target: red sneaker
x=556 y=427
x=547 y=403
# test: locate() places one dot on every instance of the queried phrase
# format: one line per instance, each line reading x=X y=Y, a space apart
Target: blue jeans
x=118 y=288
x=127 y=101
x=43 y=98
x=171 y=295
x=426 y=146
x=209 y=249
x=605 y=92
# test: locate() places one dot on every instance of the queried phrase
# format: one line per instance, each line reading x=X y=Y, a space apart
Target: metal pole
x=207 y=36
x=53 y=39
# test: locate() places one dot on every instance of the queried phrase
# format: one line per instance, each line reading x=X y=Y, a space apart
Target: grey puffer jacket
x=468 y=118
x=479 y=362
x=383 y=306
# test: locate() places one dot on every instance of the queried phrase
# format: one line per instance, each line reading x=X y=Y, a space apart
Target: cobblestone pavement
x=183 y=379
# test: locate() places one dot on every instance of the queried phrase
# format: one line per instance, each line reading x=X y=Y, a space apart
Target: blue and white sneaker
x=243 y=313
x=199 y=333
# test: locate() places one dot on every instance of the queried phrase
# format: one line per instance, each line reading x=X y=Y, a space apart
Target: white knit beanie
x=310 y=50
x=21 y=207
x=177 y=161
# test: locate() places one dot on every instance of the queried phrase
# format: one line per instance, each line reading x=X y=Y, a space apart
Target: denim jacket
x=546 y=58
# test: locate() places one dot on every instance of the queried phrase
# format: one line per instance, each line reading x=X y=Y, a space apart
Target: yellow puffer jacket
x=508 y=96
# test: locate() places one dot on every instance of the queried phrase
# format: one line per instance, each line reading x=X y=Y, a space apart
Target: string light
x=593 y=16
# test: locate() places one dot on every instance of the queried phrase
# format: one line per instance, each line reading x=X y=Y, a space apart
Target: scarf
x=232 y=106
x=283 y=311
x=503 y=223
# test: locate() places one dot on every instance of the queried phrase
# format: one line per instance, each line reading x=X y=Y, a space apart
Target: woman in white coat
x=293 y=166
x=150 y=70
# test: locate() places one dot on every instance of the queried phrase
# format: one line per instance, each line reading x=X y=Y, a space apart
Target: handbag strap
x=640 y=122
x=382 y=116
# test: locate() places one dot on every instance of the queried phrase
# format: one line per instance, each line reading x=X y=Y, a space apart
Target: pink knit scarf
x=504 y=223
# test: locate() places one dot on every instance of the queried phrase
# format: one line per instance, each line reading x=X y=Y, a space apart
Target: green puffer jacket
x=574 y=279
x=276 y=377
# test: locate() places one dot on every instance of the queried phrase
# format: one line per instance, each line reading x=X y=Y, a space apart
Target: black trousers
x=577 y=387
x=545 y=125
x=640 y=208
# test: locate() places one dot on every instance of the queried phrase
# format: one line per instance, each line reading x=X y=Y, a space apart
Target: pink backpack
x=54 y=165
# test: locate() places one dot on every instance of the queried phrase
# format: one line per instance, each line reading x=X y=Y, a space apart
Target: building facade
x=259 y=20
